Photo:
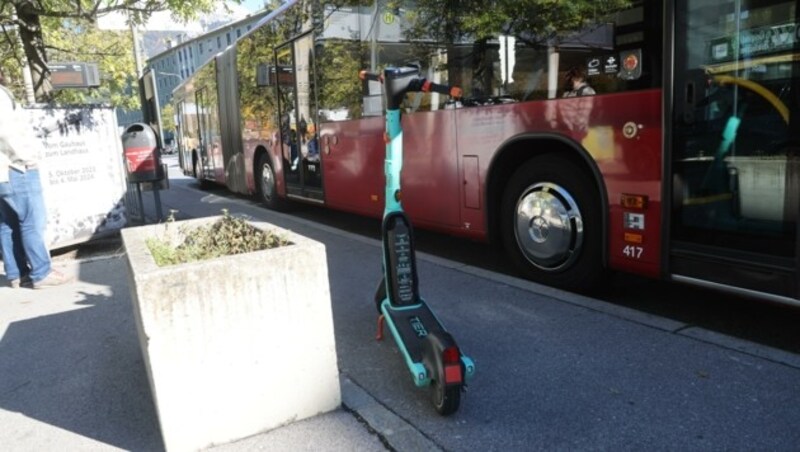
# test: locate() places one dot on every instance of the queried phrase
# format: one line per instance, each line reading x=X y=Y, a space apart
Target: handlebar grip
x=447 y=90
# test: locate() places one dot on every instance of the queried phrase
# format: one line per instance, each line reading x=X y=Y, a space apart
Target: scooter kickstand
x=379 y=336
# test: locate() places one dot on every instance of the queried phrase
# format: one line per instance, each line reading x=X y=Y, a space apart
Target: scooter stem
x=393 y=165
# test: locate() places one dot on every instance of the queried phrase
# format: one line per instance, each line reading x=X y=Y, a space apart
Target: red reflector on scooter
x=451 y=355
x=452 y=374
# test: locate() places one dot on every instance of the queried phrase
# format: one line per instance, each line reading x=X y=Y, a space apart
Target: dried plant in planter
x=229 y=235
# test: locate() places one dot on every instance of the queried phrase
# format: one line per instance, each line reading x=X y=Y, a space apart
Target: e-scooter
x=431 y=353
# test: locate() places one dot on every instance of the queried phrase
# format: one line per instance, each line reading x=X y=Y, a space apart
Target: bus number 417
x=634 y=252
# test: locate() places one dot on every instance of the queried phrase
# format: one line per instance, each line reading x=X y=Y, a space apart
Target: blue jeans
x=23 y=219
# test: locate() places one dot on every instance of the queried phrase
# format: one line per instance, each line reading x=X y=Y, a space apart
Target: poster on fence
x=83 y=178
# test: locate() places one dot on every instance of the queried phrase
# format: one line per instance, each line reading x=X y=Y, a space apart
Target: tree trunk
x=30 y=31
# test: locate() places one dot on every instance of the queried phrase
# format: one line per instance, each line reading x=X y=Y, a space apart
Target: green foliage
x=531 y=21
x=168 y=118
x=112 y=50
x=64 y=30
x=257 y=102
x=227 y=236
x=260 y=103
x=338 y=65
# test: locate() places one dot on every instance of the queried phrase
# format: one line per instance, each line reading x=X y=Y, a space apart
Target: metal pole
x=141 y=202
x=157 y=197
x=373 y=55
x=137 y=53
x=552 y=72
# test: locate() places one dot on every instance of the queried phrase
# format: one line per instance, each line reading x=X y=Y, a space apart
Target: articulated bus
x=680 y=163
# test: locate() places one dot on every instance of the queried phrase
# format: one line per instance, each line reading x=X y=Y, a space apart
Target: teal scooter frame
x=431 y=353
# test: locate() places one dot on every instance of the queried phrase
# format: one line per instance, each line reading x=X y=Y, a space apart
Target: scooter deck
x=413 y=324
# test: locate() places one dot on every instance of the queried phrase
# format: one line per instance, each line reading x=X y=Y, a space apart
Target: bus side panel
x=231 y=135
x=257 y=115
x=352 y=165
x=430 y=182
x=621 y=132
x=634 y=242
x=481 y=131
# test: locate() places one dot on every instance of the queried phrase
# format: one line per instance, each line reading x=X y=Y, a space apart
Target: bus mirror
x=267 y=75
x=262 y=75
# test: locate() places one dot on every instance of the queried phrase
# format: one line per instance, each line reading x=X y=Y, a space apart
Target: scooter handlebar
x=366 y=75
x=420 y=85
x=447 y=90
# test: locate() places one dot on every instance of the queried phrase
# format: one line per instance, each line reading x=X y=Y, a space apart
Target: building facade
x=180 y=61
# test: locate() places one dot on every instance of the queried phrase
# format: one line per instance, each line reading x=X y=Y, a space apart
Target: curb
x=395 y=433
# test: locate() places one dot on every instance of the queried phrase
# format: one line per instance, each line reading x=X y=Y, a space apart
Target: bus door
x=180 y=139
x=734 y=154
x=204 y=165
x=297 y=108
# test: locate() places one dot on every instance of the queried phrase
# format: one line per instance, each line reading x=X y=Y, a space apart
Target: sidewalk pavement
x=72 y=375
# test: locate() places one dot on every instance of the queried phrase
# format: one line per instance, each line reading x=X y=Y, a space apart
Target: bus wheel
x=551 y=220
x=267 y=189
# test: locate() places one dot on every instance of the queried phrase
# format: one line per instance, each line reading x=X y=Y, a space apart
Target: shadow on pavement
x=77 y=365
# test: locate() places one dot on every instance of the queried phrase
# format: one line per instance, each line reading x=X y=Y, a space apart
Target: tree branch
x=136 y=6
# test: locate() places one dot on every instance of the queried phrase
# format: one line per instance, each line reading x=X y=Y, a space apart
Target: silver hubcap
x=548 y=226
x=267 y=182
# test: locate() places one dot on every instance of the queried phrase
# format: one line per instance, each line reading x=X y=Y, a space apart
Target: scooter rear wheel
x=446 y=399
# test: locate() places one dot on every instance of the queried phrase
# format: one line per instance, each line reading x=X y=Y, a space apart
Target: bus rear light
x=633 y=201
x=630 y=237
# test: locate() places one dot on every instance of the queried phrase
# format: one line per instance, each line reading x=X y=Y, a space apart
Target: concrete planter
x=236 y=345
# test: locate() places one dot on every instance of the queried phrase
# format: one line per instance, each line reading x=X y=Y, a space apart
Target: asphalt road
x=749 y=319
x=746 y=318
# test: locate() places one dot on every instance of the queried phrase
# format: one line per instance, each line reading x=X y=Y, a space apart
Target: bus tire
x=552 y=225
x=266 y=186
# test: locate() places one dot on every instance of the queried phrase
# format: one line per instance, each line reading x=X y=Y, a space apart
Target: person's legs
x=14 y=260
x=32 y=220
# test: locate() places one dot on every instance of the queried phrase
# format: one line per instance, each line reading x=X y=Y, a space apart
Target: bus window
x=614 y=52
x=340 y=96
x=353 y=38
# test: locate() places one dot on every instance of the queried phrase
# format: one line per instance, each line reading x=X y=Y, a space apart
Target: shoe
x=25 y=281
x=55 y=278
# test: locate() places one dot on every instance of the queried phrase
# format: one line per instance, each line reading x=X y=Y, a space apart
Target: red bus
x=680 y=163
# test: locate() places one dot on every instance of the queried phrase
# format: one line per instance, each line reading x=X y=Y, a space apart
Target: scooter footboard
x=429 y=350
